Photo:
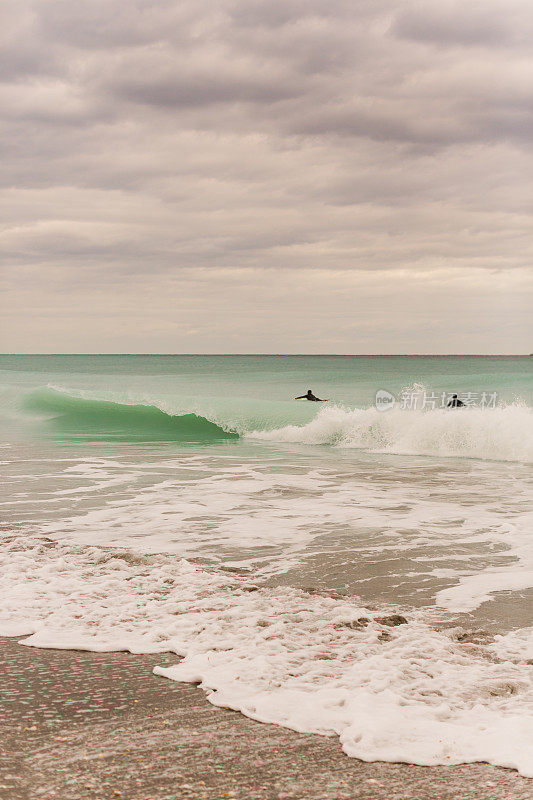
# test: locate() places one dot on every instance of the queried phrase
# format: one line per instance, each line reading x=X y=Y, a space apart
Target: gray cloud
x=150 y=137
x=102 y=25
x=454 y=23
x=200 y=90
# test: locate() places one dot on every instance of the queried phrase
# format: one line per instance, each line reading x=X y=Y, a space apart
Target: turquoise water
x=239 y=394
x=190 y=504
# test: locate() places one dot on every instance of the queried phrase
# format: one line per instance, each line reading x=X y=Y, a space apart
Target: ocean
x=361 y=568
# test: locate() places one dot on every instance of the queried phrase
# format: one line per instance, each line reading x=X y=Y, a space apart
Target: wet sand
x=78 y=725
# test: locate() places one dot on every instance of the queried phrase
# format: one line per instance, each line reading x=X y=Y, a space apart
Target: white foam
x=278 y=654
x=269 y=519
x=515 y=645
x=408 y=693
x=474 y=589
x=501 y=434
x=433 y=523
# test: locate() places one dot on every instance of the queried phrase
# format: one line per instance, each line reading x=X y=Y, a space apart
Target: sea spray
x=500 y=434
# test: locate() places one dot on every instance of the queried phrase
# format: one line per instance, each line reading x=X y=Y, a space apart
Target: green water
x=235 y=393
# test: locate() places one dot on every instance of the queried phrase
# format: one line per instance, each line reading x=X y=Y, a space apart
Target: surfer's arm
x=302 y=397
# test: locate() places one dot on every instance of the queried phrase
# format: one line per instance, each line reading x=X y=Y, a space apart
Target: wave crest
x=499 y=434
x=107 y=419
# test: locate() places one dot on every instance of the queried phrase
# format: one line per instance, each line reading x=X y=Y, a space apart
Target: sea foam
x=391 y=688
x=500 y=434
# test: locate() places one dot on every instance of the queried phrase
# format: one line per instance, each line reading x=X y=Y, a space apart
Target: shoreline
x=80 y=725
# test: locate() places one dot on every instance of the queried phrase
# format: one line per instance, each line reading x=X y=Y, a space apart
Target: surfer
x=310 y=396
x=454 y=402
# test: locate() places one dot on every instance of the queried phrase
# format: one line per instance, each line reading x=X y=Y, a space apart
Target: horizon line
x=287 y=355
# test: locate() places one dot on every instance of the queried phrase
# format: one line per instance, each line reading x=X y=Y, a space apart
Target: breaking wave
x=106 y=419
x=498 y=434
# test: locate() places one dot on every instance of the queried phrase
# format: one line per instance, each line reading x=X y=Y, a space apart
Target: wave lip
x=499 y=434
x=91 y=418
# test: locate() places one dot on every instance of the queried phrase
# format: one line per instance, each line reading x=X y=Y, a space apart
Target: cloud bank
x=266 y=175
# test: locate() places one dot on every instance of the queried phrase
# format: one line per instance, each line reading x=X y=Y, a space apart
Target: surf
x=496 y=434
x=391 y=687
x=504 y=433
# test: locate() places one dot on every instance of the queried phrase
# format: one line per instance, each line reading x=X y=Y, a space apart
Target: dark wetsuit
x=455 y=403
x=310 y=396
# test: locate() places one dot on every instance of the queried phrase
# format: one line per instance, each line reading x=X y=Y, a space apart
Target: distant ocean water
x=335 y=568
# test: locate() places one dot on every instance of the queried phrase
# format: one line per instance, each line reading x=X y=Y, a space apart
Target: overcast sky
x=342 y=176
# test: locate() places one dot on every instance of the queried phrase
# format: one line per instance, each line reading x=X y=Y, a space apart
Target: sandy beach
x=99 y=725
